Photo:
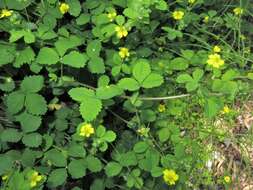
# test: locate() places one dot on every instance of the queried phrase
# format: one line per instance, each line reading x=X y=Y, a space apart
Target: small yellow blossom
x=215 y=60
x=178 y=15
x=226 y=109
x=64 y=8
x=227 y=179
x=5 y=13
x=111 y=16
x=86 y=130
x=191 y=1
x=170 y=176
x=206 y=19
x=121 y=31
x=54 y=106
x=217 y=49
x=238 y=11
x=143 y=131
x=124 y=52
x=5 y=177
x=35 y=178
x=161 y=108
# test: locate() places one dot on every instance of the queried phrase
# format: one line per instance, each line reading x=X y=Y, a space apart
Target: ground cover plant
x=126 y=94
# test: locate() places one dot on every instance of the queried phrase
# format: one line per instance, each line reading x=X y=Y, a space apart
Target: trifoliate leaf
x=141 y=70
x=32 y=84
x=57 y=177
x=152 y=80
x=10 y=135
x=63 y=44
x=128 y=84
x=77 y=168
x=35 y=104
x=32 y=139
x=90 y=108
x=29 y=122
x=47 y=56
x=113 y=169
x=15 y=102
x=96 y=65
x=75 y=59
x=93 y=49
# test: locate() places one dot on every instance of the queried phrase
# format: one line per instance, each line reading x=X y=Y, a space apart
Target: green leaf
x=178 y=64
x=75 y=59
x=15 y=35
x=77 y=168
x=32 y=84
x=93 y=49
x=90 y=108
x=109 y=136
x=35 y=104
x=198 y=74
x=83 y=19
x=6 y=55
x=128 y=84
x=10 y=135
x=113 y=169
x=76 y=150
x=29 y=122
x=57 y=177
x=183 y=78
x=32 y=140
x=212 y=107
x=93 y=164
x=26 y=55
x=80 y=94
x=96 y=65
x=29 y=37
x=74 y=7
x=140 y=147
x=6 y=164
x=15 y=102
x=191 y=86
x=152 y=80
x=108 y=92
x=156 y=171
x=161 y=5
x=164 y=134
x=141 y=70
x=63 y=44
x=47 y=56
x=56 y=157
x=128 y=159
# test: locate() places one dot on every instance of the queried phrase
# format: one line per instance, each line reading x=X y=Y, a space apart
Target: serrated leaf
x=74 y=7
x=75 y=59
x=212 y=107
x=56 y=157
x=57 y=177
x=90 y=108
x=32 y=84
x=47 y=56
x=25 y=56
x=6 y=164
x=113 y=169
x=83 y=19
x=152 y=80
x=15 y=102
x=29 y=122
x=93 y=49
x=140 y=147
x=6 y=56
x=63 y=44
x=77 y=168
x=32 y=139
x=198 y=74
x=93 y=164
x=96 y=65
x=141 y=70
x=128 y=84
x=108 y=92
x=35 y=104
x=76 y=150
x=10 y=135
x=79 y=94
x=178 y=64
x=183 y=78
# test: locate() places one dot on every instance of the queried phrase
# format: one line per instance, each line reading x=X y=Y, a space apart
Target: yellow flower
x=227 y=179
x=170 y=177
x=64 y=8
x=217 y=49
x=226 y=109
x=86 y=130
x=5 y=13
x=111 y=16
x=191 y=1
x=243 y=37
x=215 y=60
x=143 y=131
x=5 y=177
x=178 y=15
x=124 y=52
x=35 y=178
x=206 y=19
x=121 y=31
x=161 y=108
x=238 y=11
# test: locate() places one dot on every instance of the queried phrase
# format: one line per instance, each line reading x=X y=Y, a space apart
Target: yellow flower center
x=178 y=15
x=35 y=178
x=64 y=8
x=217 y=49
x=227 y=179
x=124 y=52
x=161 y=108
x=5 y=13
x=170 y=176
x=121 y=31
x=86 y=130
x=238 y=11
x=112 y=16
x=215 y=60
